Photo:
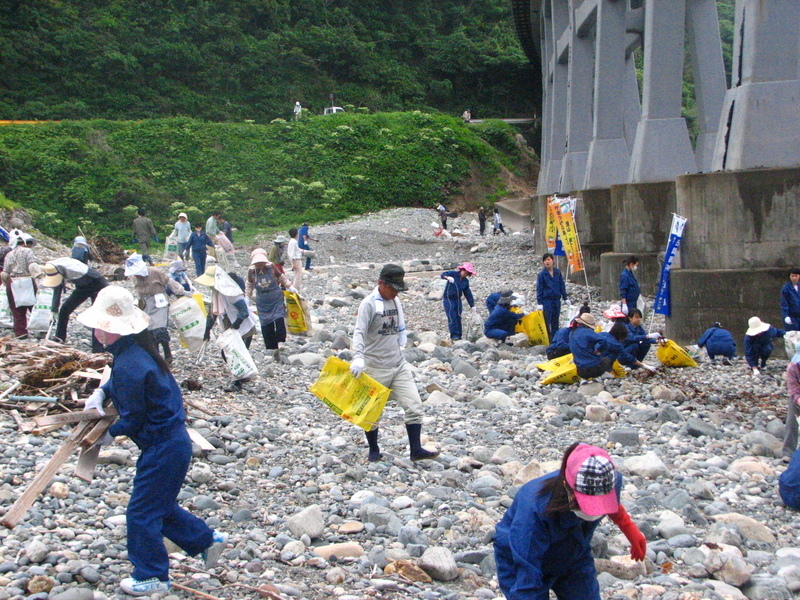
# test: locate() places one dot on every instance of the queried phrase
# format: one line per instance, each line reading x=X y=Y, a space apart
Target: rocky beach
x=310 y=518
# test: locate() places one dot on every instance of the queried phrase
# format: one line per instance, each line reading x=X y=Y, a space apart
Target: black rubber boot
x=374 y=452
x=417 y=451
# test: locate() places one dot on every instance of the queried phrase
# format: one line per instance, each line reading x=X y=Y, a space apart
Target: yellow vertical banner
x=569 y=233
x=551 y=226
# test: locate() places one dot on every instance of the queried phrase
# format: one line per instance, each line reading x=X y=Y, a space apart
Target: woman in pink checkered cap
x=543 y=542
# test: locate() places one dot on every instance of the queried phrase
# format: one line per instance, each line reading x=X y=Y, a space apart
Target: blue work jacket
x=532 y=548
x=756 y=346
x=461 y=286
x=502 y=318
x=789 y=483
x=636 y=335
x=790 y=301
x=550 y=287
x=560 y=339
x=717 y=340
x=588 y=348
x=199 y=241
x=492 y=300
x=629 y=287
x=148 y=400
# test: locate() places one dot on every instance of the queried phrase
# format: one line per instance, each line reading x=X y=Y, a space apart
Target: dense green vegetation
x=231 y=60
x=96 y=173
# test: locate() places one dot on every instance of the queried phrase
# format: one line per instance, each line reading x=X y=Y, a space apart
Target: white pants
x=297 y=265
x=400 y=380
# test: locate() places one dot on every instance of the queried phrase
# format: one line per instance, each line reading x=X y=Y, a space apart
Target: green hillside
x=96 y=173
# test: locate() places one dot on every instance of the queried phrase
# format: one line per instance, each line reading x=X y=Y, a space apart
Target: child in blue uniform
x=550 y=289
x=457 y=285
x=559 y=345
x=790 y=301
x=628 y=285
x=638 y=342
x=150 y=407
x=718 y=342
x=758 y=343
x=502 y=322
x=543 y=542
x=595 y=353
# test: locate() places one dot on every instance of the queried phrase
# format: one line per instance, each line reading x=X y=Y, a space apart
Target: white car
x=332 y=110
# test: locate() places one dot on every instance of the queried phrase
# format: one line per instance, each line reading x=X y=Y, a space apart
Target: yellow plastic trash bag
x=534 y=327
x=567 y=373
x=552 y=365
x=359 y=401
x=297 y=316
x=672 y=355
x=201 y=302
x=618 y=370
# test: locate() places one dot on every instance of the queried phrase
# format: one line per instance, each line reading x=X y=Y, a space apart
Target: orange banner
x=551 y=226
x=568 y=233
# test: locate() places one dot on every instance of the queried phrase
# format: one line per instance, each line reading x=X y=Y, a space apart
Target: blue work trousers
x=452 y=308
x=639 y=351
x=199 y=257
x=497 y=334
x=552 y=312
x=153 y=511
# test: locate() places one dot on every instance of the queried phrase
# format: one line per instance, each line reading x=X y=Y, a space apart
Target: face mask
x=106 y=338
x=582 y=515
x=634 y=267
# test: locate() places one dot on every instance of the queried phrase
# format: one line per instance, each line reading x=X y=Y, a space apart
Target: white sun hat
x=115 y=311
x=134 y=265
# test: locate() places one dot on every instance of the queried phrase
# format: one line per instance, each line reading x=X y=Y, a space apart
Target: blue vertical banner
x=662 y=303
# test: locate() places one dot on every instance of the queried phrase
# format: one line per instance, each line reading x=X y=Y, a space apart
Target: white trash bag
x=41 y=316
x=171 y=248
x=189 y=321
x=474 y=327
x=6 y=319
x=240 y=362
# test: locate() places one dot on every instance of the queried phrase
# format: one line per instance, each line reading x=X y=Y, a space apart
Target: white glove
x=653 y=336
x=106 y=440
x=450 y=279
x=357 y=367
x=569 y=302
x=650 y=369
x=539 y=307
x=292 y=289
x=95 y=401
x=624 y=309
x=788 y=320
x=474 y=309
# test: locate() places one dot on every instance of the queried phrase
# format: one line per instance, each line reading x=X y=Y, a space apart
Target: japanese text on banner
x=662 y=303
x=569 y=233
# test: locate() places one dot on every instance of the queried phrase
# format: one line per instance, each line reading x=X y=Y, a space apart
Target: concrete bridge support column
x=759 y=127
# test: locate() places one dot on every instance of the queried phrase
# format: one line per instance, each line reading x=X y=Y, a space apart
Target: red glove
x=638 y=542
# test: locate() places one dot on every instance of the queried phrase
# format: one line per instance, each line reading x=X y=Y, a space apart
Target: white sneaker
x=211 y=554
x=756 y=372
x=134 y=587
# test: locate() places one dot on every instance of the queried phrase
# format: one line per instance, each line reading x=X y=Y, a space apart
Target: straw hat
x=468 y=267
x=586 y=319
x=52 y=277
x=207 y=278
x=756 y=326
x=115 y=311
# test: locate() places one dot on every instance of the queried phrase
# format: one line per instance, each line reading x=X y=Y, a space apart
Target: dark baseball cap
x=393 y=275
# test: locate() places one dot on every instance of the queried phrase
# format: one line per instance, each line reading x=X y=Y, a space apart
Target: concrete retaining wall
x=642 y=215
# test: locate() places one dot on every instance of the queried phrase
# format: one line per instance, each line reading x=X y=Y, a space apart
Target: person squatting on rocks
x=543 y=541
x=303 y=239
x=718 y=342
x=177 y=272
x=638 y=342
x=789 y=483
x=595 y=353
x=143 y=234
x=502 y=320
x=182 y=231
x=559 y=345
x=457 y=284
x=198 y=242
x=19 y=269
x=268 y=283
x=151 y=286
x=151 y=414
x=628 y=285
x=378 y=341
x=758 y=343
x=790 y=301
x=228 y=303
x=87 y=281
x=550 y=289
x=81 y=250
x=295 y=255
x=793 y=408
x=494 y=297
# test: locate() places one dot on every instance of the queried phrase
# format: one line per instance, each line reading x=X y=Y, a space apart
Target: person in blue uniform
x=198 y=242
x=457 y=285
x=718 y=342
x=638 y=342
x=559 y=345
x=789 y=483
x=628 y=285
x=502 y=321
x=595 y=353
x=550 y=289
x=151 y=414
x=758 y=343
x=790 y=301
x=303 y=239
x=543 y=541
x=491 y=299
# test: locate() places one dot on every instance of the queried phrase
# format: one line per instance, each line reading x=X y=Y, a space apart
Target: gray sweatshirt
x=376 y=336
